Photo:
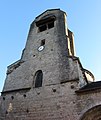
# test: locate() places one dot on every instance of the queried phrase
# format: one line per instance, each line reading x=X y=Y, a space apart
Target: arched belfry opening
x=38 y=78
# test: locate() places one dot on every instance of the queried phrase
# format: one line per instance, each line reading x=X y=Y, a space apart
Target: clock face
x=40 y=48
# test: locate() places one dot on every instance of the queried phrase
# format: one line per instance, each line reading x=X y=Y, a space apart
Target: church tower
x=42 y=84
x=45 y=59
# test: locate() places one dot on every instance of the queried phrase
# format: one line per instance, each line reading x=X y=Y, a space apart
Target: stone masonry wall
x=57 y=98
x=54 y=102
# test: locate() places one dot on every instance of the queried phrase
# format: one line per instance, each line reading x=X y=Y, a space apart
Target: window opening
x=45 y=24
x=6 y=112
x=42 y=42
x=12 y=97
x=38 y=78
x=42 y=28
x=3 y=98
x=51 y=25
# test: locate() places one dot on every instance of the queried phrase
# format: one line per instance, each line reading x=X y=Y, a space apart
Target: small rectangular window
x=43 y=42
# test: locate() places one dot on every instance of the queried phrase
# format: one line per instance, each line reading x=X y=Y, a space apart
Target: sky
x=83 y=19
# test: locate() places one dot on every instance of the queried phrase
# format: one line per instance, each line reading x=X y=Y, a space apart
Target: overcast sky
x=83 y=17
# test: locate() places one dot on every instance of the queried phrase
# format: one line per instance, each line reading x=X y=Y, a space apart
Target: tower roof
x=49 y=10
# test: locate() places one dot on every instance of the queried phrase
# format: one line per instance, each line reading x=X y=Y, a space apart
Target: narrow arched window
x=38 y=78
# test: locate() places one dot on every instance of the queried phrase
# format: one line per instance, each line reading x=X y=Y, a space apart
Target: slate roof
x=89 y=87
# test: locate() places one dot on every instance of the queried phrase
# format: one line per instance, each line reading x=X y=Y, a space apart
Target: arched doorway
x=93 y=113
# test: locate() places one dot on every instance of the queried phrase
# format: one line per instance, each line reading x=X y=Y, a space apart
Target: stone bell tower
x=48 y=46
x=36 y=86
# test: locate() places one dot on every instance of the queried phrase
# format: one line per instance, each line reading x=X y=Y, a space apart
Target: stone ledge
x=16 y=90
